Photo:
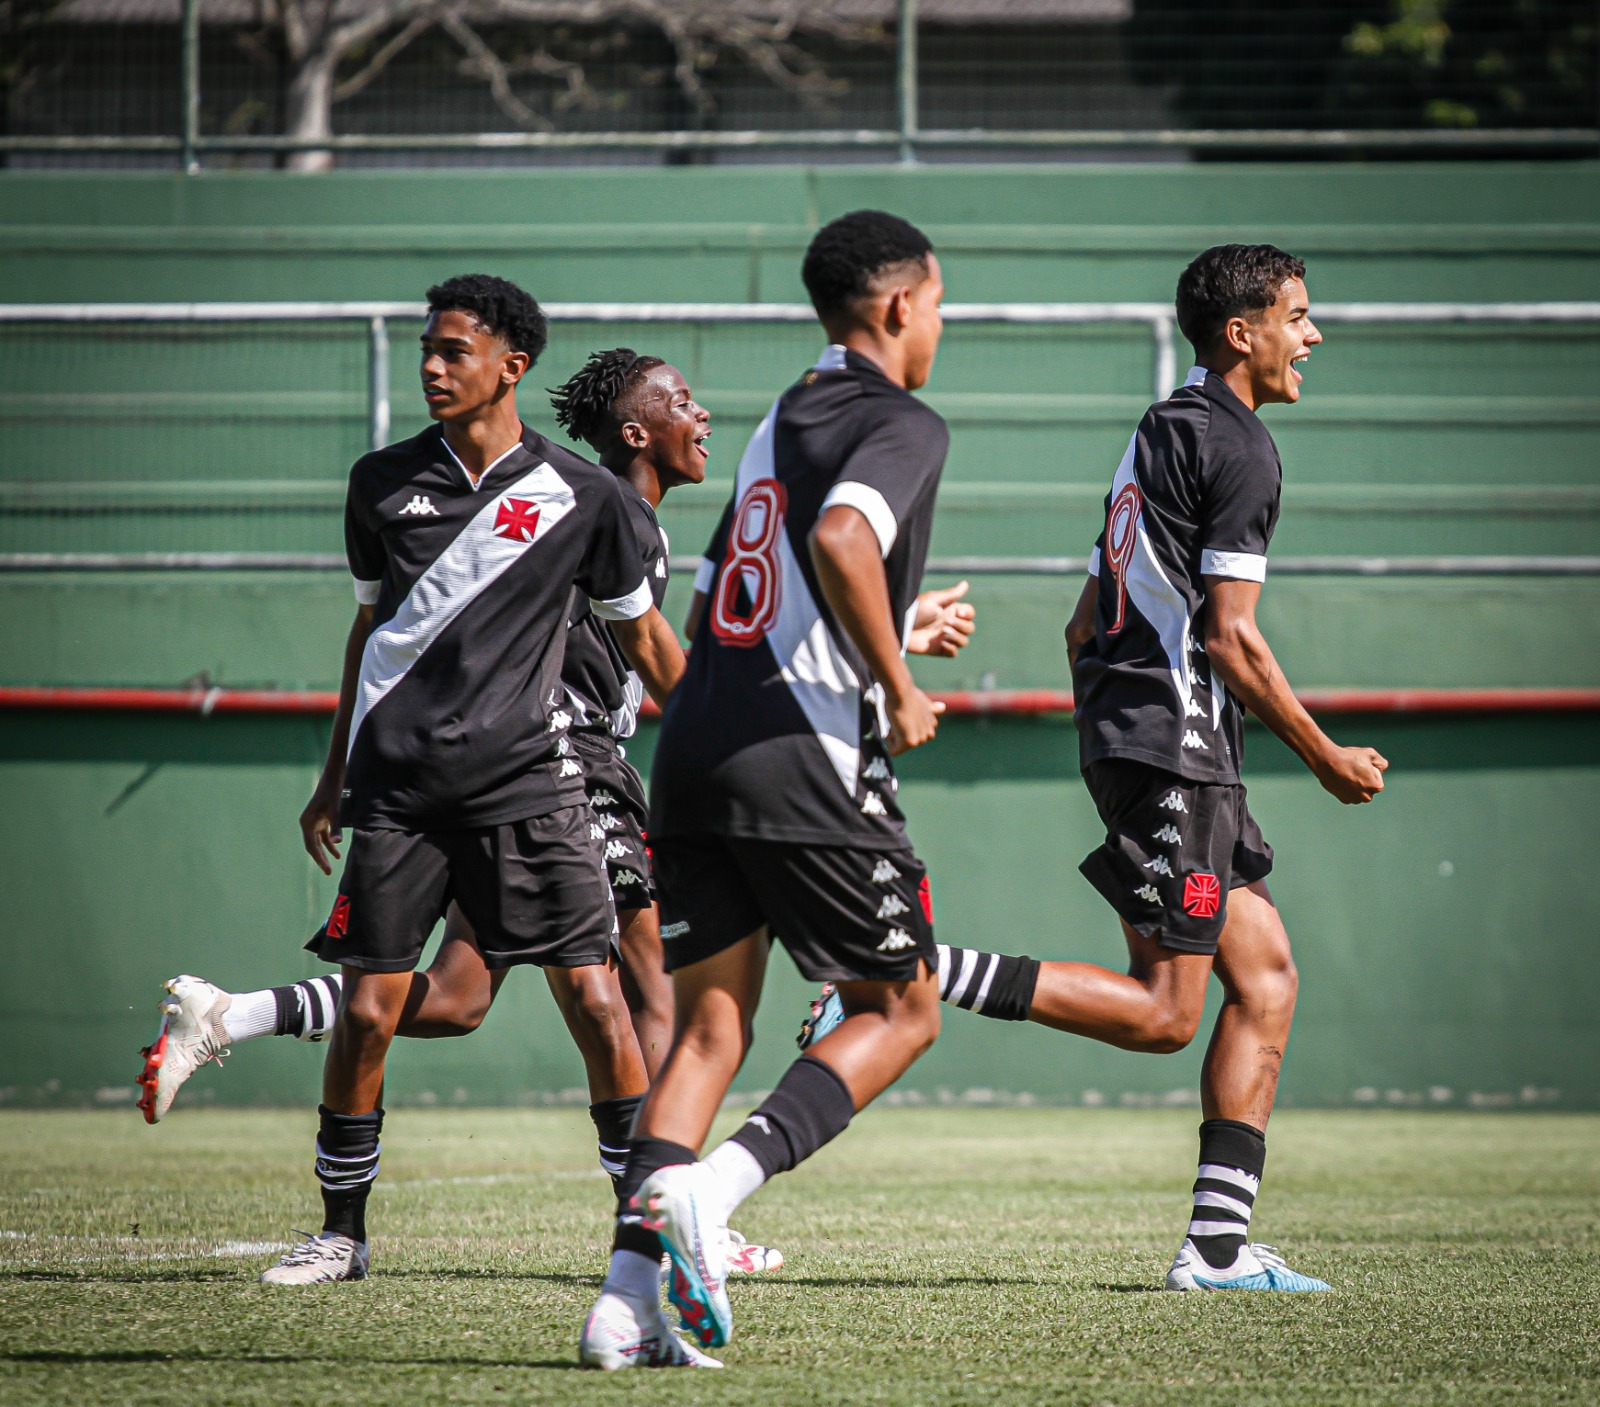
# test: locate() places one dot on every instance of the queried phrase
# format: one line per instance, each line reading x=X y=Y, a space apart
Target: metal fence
x=917 y=78
x=1158 y=318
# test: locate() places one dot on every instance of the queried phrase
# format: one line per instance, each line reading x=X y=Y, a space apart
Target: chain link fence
x=307 y=82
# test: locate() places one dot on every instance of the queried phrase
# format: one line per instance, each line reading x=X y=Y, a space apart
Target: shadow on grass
x=156 y=1355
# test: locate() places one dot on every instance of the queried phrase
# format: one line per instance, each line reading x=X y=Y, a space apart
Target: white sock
x=634 y=1277
x=251 y=1014
x=737 y=1171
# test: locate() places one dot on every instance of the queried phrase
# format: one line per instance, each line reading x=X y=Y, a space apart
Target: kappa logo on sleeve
x=421 y=506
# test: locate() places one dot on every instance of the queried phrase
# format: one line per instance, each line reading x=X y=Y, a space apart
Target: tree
x=335 y=48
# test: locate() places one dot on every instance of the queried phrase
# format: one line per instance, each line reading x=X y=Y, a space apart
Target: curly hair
x=848 y=253
x=499 y=306
x=590 y=404
x=1230 y=281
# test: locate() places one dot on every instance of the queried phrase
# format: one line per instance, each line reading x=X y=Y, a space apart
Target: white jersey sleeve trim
x=871 y=504
x=366 y=591
x=629 y=607
x=1094 y=561
x=704 y=574
x=1241 y=566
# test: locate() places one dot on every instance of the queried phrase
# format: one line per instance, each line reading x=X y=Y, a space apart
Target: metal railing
x=906 y=138
x=1158 y=318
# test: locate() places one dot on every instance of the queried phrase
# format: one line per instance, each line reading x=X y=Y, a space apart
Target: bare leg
x=646 y=984
x=1240 y=1078
x=715 y=1000
x=887 y=1026
x=592 y=1004
x=1156 y=1007
x=454 y=994
x=352 y=1076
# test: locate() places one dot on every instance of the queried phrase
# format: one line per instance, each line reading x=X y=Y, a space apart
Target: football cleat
x=620 y=1333
x=1257 y=1267
x=827 y=1011
x=191 y=1033
x=681 y=1205
x=320 y=1260
x=744 y=1258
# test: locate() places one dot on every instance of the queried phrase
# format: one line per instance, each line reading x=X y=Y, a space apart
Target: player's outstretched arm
x=849 y=563
x=653 y=650
x=1239 y=653
x=319 y=822
x=943 y=623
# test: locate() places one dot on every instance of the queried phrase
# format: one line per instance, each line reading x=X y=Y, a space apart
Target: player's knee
x=917 y=1023
x=599 y=1005
x=365 y=1019
x=1168 y=1028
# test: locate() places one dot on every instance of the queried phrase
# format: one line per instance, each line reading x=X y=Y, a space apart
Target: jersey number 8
x=752 y=561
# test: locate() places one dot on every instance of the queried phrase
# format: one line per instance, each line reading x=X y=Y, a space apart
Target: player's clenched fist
x=943 y=623
x=913 y=720
x=1353 y=774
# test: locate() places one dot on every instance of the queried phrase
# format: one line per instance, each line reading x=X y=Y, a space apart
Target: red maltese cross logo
x=517 y=520
x=339 y=919
x=1201 y=895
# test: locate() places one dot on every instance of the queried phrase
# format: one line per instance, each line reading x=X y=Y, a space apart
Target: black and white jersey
x=1196 y=495
x=602 y=688
x=459 y=715
x=776 y=732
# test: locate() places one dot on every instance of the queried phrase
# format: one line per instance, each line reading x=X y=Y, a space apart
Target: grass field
x=934 y=1257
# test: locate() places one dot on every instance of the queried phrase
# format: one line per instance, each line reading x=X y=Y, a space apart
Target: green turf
x=934 y=1256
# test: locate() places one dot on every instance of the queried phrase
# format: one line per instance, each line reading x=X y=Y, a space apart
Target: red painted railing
x=986 y=703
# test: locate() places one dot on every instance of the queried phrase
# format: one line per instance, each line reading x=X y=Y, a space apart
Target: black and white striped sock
x=1232 y=1158
x=348 y=1146
x=306 y=1009
x=613 y=1123
x=991 y=984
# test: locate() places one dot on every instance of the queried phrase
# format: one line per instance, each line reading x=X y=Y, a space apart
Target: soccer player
x=773 y=809
x=450 y=760
x=1166 y=654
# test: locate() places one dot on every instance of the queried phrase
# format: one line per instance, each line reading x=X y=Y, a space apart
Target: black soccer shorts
x=844 y=915
x=1173 y=850
x=534 y=891
x=619 y=817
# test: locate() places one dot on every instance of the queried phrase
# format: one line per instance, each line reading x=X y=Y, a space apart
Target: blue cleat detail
x=1258 y=1267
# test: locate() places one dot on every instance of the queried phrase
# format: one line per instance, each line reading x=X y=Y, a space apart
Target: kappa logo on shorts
x=597 y=799
x=873 y=805
x=562 y=748
x=1149 y=893
x=1192 y=739
x=338 y=924
x=615 y=849
x=1173 y=801
x=675 y=930
x=897 y=941
x=1161 y=865
x=610 y=820
x=1201 y=895
x=893 y=906
x=558 y=720
x=1168 y=833
x=876 y=771
x=884 y=873
x=596 y=832
x=569 y=766
x=1192 y=708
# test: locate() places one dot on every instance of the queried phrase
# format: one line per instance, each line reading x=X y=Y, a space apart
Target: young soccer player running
x=450 y=759
x=1166 y=655
x=773 y=808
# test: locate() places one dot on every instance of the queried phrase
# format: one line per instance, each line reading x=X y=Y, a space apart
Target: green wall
x=1441 y=933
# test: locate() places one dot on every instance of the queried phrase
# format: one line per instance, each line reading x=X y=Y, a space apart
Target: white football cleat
x=682 y=1204
x=620 y=1333
x=320 y=1260
x=745 y=1258
x=191 y=1033
x=1257 y=1267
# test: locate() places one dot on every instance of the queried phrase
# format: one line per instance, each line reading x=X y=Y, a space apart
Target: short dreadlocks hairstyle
x=592 y=406
x=847 y=254
x=1231 y=281
x=499 y=306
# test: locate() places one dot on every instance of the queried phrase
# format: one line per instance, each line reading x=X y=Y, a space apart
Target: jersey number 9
x=751 y=561
x=1122 y=537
